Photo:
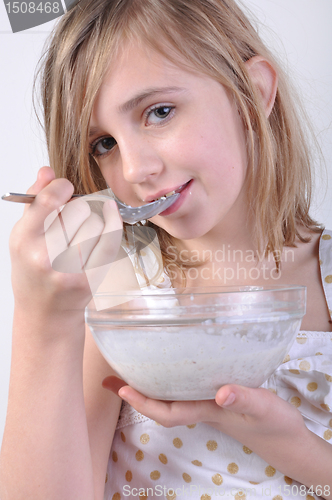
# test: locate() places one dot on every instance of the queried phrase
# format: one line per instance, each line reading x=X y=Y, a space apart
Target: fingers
x=166 y=413
x=109 y=243
x=48 y=200
x=44 y=177
x=255 y=403
x=113 y=383
x=63 y=232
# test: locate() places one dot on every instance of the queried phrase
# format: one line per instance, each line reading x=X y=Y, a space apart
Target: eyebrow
x=137 y=99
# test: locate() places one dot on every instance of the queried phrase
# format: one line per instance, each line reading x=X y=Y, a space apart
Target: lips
x=166 y=194
x=184 y=190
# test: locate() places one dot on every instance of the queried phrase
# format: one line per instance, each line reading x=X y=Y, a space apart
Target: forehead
x=137 y=64
x=138 y=70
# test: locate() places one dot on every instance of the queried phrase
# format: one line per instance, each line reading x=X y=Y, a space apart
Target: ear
x=264 y=77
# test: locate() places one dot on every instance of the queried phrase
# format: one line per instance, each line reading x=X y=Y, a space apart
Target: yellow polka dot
x=326 y=237
x=143 y=496
x=177 y=442
x=270 y=471
x=144 y=439
x=123 y=437
x=116 y=496
x=247 y=450
x=325 y=407
x=328 y=435
x=155 y=474
x=320 y=262
x=295 y=401
x=157 y=423
x=139 y=455
x=205 y=497
x=295 y=372
x=233 y=468
x=312 y=386
x=328 y=279
x=129 y=476
x=286 y=359
x=114 y=456
x=328 y=377
x=272 y=390
x=319 y=354
x=304 y=365
x=143 y=253
x=277 y=497
x=163 y=458
x=301 y=340
x=217 y=479
x=288 y=480
x=240 y=495
x=197 y=462
x=170 y=495
x=253 y=482
x=212 y=445
x=330 y=423
x=191 y=426
x=310 y=497
x=186 y=477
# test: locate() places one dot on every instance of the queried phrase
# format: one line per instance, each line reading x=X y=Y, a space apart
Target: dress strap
x=325 y=261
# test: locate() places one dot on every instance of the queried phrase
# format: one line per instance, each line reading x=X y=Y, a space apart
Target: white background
x=299 y=31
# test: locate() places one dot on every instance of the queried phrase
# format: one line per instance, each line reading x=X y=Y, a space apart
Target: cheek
x=115 y=180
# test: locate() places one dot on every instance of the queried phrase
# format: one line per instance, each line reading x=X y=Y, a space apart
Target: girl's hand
x=257 y=418
x=42 y=238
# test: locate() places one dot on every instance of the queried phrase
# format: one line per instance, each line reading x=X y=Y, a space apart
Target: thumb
x=246 y=400
x=44 y=177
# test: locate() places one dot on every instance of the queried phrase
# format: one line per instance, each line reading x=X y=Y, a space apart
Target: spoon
x=129 y=214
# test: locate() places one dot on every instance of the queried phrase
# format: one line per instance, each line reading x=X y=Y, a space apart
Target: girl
x=150 y=96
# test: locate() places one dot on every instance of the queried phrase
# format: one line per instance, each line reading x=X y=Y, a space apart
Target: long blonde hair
x=214 y=37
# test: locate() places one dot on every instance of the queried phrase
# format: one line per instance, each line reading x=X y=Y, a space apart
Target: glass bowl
x=184 y=344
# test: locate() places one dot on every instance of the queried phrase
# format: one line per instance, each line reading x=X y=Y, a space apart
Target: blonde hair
x=214 y=37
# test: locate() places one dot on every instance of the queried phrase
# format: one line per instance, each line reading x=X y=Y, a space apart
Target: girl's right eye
x=103 y=146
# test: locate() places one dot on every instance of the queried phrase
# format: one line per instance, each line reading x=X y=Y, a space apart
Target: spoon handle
x=26 y=198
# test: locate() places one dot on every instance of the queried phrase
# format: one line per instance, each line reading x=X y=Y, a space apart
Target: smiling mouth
x=178 y=190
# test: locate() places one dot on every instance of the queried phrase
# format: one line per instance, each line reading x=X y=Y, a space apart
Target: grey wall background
x=299 y=31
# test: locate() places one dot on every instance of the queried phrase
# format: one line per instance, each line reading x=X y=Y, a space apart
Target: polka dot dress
x=198 y=462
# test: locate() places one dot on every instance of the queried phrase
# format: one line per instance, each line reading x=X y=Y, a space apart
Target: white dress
x=201 y=463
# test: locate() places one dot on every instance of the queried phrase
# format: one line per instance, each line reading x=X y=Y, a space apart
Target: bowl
x=184 y=344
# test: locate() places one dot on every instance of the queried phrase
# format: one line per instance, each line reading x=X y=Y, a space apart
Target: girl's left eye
x=158 y=114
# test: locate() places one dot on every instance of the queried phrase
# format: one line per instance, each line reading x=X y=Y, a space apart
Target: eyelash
x=147 y=114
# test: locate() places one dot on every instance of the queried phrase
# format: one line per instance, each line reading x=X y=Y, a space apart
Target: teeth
x=169 y=194
x=165 y=196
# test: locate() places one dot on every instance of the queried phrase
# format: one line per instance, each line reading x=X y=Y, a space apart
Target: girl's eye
x=102 y=146
x=158 y=114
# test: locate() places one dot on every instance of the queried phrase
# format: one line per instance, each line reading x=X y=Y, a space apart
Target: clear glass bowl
x=184 y=344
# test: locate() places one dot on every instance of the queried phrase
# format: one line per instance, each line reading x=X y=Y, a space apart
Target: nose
x=139 y=162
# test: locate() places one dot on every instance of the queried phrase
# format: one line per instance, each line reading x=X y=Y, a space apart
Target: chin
x=184 y=231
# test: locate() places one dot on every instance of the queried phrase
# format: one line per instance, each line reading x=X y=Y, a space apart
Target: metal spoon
x=129 y=214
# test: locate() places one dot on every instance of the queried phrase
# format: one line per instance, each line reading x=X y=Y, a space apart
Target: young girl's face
x=157 y=127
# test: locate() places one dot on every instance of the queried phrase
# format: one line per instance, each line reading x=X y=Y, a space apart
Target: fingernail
x=230 y=399
x=121 y=396
x=112 y=204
